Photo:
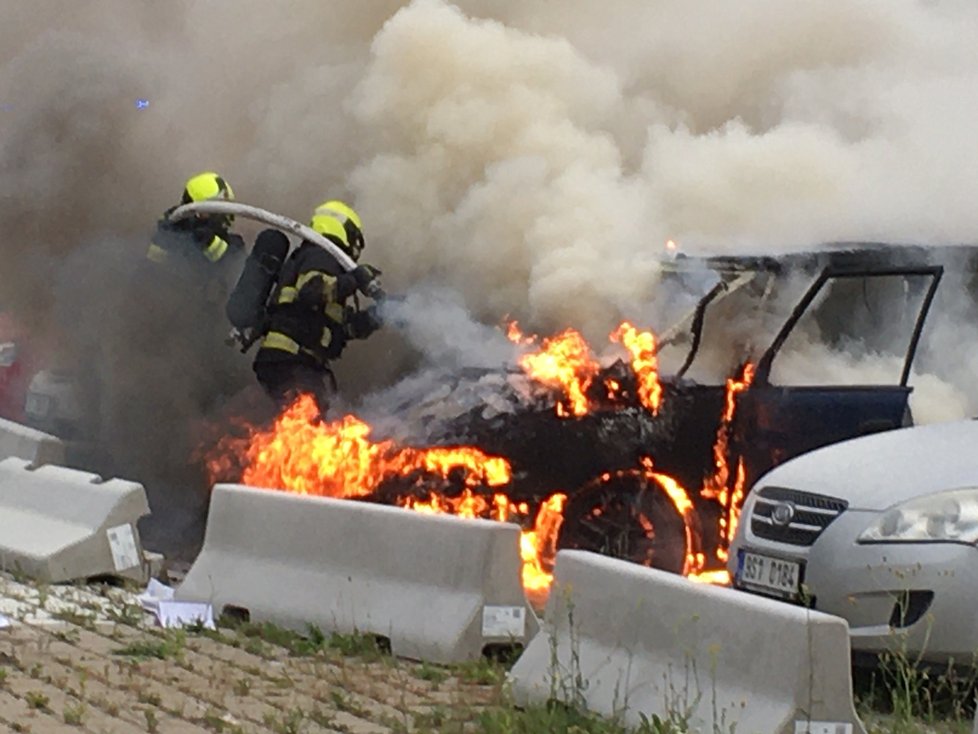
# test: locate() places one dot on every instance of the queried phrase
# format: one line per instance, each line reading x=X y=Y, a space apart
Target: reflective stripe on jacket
x=308 y=316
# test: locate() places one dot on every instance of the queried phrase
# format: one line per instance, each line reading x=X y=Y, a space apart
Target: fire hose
x=287 y=226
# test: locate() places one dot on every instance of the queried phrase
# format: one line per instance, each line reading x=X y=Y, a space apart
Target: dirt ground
x=85 y=659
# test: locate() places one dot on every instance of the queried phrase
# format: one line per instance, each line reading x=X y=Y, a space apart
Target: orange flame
x=695 y=559
x=718 y=485
x=305 y=455
x=641 y=346
x=564 y=362
x=538 y=547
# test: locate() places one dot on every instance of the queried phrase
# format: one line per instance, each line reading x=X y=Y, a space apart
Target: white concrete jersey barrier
x=30 y=445
x=634 y=641
x=59 y=524
x=440 y=588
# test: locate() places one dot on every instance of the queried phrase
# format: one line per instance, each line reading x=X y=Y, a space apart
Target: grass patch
x=431 y=673
x=36 y=700
x=129 y=615
x=314 y=642
x=74 y=715
x=482 y=672
x=289 y=722
x=342 y=702
x=85 y=620
x=164 y=647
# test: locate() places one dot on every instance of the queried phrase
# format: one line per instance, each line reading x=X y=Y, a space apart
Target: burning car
x=646 y=455
x=881 y=531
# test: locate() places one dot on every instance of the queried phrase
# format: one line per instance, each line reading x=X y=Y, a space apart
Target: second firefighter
x=314 y=310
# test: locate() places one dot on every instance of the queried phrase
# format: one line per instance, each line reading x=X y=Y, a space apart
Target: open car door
x=851 y=310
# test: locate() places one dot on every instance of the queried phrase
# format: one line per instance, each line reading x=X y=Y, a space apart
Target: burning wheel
x=627 y=515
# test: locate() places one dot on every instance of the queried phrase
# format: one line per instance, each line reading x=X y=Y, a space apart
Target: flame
x=717 y=578
x=695 y=558
x=305 y=455
x=538 y=547
x=717 y=486
x=564 y=362
x=515 y=334
x=301 y=453
x=645 y=365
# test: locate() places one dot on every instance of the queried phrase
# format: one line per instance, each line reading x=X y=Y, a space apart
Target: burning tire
x=627 y=515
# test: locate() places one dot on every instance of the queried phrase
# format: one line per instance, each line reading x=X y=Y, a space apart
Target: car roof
x=840 y=255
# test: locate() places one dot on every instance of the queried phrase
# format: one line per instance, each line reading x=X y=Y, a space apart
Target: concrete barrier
x=632 y=641
x=26 y=443
x=59 y=524
x=441 y=589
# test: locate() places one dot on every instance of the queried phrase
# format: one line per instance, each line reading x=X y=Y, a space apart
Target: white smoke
x=532 y=157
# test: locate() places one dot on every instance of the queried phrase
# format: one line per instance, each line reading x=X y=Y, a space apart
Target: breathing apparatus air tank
x=246 y=304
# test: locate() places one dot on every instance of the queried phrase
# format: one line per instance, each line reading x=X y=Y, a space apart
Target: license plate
x=770 y=575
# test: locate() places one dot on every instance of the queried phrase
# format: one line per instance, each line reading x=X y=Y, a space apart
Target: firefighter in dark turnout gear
x=309 y=318
x=200 y=247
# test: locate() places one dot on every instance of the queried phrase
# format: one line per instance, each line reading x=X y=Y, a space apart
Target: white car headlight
x=945 y=516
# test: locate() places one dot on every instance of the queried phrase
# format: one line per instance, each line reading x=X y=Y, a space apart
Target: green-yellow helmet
x=341 y=224
x=205 y=187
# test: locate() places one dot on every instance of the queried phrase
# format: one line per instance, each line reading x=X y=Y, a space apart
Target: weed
x=150 y=697
x=431 y=673
x=255 y=646
x=85 y=620
x=130 y=615
x=242 y=687
x=313 y=643
x=74 y=715
x=152 y=721
x=163 y=647
x=483 y=672
x=37 y=700
x=69 y=635
x=359 y=645
x=342 y=702
x=105 y=705
x=3 y=677
x=321 y=718
x=433 y=719
x=555 y=719
x=912 y=690
x=287 y=723
x=214 y=721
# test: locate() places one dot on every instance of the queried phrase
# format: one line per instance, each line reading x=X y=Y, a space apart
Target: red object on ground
x=15 y=369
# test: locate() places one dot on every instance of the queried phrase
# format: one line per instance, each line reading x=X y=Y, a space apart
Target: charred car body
x=619 y=462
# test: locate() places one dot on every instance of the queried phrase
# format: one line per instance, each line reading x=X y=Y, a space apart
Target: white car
x=880 y=530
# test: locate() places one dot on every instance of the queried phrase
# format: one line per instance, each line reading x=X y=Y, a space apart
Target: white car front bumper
x=921 y=595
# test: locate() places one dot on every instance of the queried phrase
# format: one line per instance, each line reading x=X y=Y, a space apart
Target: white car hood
x=875 y=472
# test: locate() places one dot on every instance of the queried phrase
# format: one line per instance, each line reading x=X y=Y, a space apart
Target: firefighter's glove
x=364 y=323
x=365 y=276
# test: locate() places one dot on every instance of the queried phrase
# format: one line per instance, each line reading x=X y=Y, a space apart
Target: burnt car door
x=855 y=311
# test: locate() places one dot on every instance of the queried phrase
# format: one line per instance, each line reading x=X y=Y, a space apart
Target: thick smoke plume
x=531 y=157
